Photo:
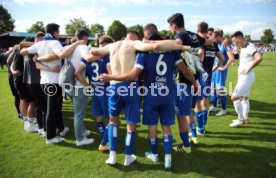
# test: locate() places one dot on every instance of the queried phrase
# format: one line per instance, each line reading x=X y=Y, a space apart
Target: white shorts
x=244 y=84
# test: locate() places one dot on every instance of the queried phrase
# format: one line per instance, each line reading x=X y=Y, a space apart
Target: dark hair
x=202 y=27
x=155 y=36
x=29 y=39
x=237 y=34
x=211 y=29
x=105 y=39
x=218 y=32
x=52 y=28
x=80 y=33
x=134 y=32
x=177 y=19
x=152 y=28
x=39 y=34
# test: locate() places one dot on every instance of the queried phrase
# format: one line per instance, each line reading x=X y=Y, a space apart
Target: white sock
x=239 y=109
x=112 y=154
x=245 y=108
x=112 y=158
x=168 y=157
x=31 y=119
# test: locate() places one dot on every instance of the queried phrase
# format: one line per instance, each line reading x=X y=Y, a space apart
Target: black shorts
x=23 y=91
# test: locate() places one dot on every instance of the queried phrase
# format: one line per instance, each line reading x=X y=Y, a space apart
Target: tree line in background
x=116 y=30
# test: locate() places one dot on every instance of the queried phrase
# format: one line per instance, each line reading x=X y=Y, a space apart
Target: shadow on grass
x=215 y=160
x=220 y=163
x=258 y=109
x=253 y=136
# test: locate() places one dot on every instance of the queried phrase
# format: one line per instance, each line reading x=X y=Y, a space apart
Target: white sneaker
x=55 y=140
x=213 y=109
x=44 y=134
x=86 y=133
x=40 y=131
x=237 y=123
x=152 y=157
x=221 y=113
x=112 y=158
x=246 y=121
x=31 y=127
x=85 y=141
x=64 y=132
x=129 y=159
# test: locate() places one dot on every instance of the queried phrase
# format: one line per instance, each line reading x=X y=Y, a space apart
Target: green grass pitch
x=249 y=151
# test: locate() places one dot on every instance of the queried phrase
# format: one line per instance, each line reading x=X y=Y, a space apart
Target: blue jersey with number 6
x=159 y=74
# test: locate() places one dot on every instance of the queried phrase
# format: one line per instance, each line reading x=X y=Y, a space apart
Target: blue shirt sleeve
x=140 y=61
x=83 y=62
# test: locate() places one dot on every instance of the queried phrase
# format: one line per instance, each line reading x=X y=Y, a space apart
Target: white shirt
x=75 y=60
x=47 y=47
x=246 y=56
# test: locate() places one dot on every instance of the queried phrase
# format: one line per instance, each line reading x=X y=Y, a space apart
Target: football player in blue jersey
x=221 y=75
x=99 y=105
x=159 y=70
x=125 y=94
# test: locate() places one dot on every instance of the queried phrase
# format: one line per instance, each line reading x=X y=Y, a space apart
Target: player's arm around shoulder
x=101 y=52
x=130 y=76
x=171 y=45
x=67 y=51
x=29 y=50
x=48 y=57
x=43 y=67
x=89 y=57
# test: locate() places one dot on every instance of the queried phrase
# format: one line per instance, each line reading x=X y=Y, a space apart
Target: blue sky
x=250 y=16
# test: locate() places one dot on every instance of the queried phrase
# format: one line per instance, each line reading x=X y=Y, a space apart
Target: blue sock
x=214 y=99
x=100 y=128
x=112 y=137
x=130 y=140
x=193 y=129
x=105 y=136
x=167 y=141
x=200 y=121
x=153 y=145
x=205 y=117
x=223 y=101
x=185 y=139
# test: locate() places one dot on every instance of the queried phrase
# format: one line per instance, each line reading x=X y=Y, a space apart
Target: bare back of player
x=122 y=59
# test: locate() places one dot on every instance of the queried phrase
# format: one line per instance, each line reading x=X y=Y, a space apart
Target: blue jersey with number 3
x=95 y=69
x=159 y=74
